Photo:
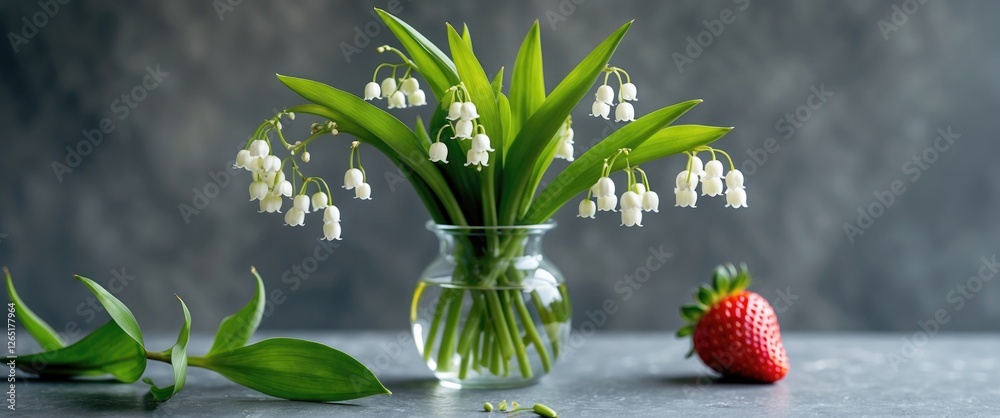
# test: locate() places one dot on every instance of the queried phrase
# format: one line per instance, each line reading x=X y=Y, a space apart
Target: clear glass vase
x=490 y=311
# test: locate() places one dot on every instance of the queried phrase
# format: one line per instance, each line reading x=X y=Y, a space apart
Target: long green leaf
x=503 y=106
x=236 y=329
x=118 y=311
x=107 y=350
x=466 y=36
x=35 y=325
x=430 y=201
x=527 y=85
x=401 y=140
x=585 y=170
x=296 y=369
x=472 y=74
x=673 y=140
x=497 y=85
x=433 y=64
x=178 y=360
x=539 y=131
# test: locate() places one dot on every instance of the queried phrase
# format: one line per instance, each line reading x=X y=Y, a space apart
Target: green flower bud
x=544 y=411
x=503 y=405
x=488 y=407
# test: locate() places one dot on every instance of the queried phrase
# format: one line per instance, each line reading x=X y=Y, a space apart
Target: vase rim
x=434 y=226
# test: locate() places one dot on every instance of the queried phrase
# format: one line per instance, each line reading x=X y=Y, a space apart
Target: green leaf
x=672 y=140
x=383 y=131
x=721 y=284
x=434 y=206
x=236 y=329
x=685 y=331
x=296 y=369
x=742 y=280
x=503 y=106
x=433 y=64
x=527 y=85
x=178 y=360
x=421 y=131
x=497 y=84
x=107 y=350
x=118 y=311
x=472 y=74
x=692 y=313
x=539 y=131
x=36 y=326
x=586 y=170
x=706 y=296
x=466 y=36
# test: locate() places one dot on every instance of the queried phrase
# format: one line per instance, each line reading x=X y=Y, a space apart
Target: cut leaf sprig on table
x=478 y=161
x=282 y=367
x=735 y=331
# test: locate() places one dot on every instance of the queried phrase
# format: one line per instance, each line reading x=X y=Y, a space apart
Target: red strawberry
x=735 y=331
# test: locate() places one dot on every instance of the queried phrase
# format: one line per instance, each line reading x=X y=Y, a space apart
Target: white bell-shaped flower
x=469 y=111
x=607 y=203
x=631 y=200
x=272 y=164
x=397 y=100
x=565 y=151
x=306 y=157
x=604 y=187
x=284 y=188
x=243 y=158
x=685 y=198
x=629 y=92
x=438 y=152
x=272 y=203
x=363 y=191
x=454 y=111
x=566 y=134
x=711 y=186
x=372 y=91
x=650 y=201
x=331 y=231
x=331 y=214
x=605 y=94
x=268 y=177
x=685 y=181
x=697 y=167
x=463 y=129
x=639 y=189
x=301 y=202
x=624 y=112
x=259 y=148
x=477 y=158
x=258 y=190
x=409 y=85
x=417 y=98
x=713 y=169
x=587 y=209
x=481 y=143
x=600 y=109
x=736 y=198
x=295 y=217
x=734 y=179
x=632 y=217
x=319 y=201
x=353 y=178
x=388 y=87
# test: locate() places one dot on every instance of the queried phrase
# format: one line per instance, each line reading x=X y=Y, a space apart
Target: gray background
x=118 y=210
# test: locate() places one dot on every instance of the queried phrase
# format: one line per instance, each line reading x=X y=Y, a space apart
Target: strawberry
x=735 y=331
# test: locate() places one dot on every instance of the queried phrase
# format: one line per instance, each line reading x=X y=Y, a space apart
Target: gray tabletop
x=609 y=374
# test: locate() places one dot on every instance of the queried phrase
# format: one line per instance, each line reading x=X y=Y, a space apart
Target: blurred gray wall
x=895 y=74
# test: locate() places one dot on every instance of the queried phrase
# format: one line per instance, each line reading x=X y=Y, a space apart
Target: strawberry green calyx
x=726 y=281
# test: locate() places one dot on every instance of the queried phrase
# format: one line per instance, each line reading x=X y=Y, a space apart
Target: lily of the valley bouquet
x=499 y=314
x=490 y=311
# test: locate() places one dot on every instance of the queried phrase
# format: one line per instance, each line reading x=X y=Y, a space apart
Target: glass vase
x=490 y=311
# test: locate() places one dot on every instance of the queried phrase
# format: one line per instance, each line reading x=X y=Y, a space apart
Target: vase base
x=482 y=384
